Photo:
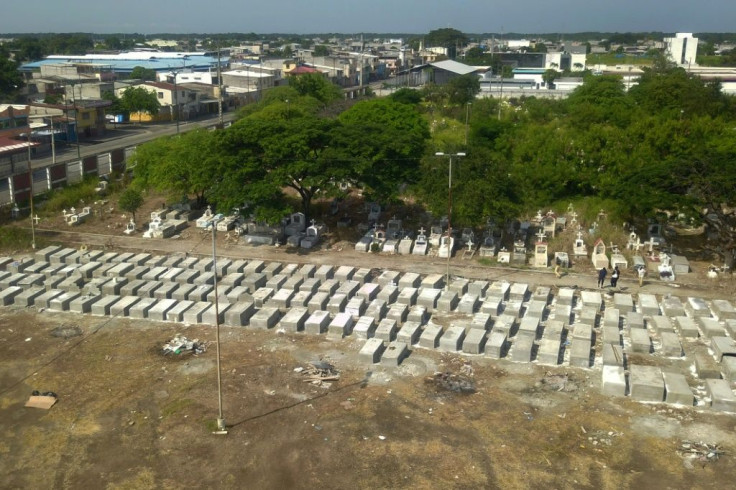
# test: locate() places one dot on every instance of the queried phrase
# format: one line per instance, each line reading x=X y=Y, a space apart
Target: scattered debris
x=43 y=400
x=66 y=331
x=182 y=345
x=700 y=451
x=318 y=373
x=452 y=382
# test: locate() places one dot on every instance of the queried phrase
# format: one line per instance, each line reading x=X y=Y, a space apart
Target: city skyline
x=379 y=16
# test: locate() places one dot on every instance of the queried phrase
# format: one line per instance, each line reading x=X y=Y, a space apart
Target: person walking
x=642 y=273
x=602 y=277
x=614 y=277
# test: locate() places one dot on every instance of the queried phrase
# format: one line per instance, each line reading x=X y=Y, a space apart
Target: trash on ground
x=182 y=345
x=452 y=382
x=318 y=372
x=700 y=451
x=41 y=400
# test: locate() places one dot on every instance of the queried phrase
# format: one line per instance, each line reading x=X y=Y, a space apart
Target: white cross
x=422 y=230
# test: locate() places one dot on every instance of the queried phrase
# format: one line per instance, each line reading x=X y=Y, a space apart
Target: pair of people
x=602 y=277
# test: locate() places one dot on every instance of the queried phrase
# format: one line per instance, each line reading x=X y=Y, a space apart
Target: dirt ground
x=129 y=417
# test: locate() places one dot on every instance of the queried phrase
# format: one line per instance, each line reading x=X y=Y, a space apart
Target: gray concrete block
x=459 y=285
x=122 y=307
x=199 y=293
x=182 y=292
x=371 y=351
x=723 y=346
x=496 y=345
x=611 y=318
x=362 y=275
x=176 y=313
x=318 y=302
x=566 y=297
x=307 y=270
x=136 y=273
x=348 y=288
x=310 y=285
x=591 y=299
x=528 y=327
x=611 y=335
x=711 y=327
x=377 y=309
x=364 y=327
x=433 y=281
x=505 y=323
x=28 y=296
x=481 y=321
x=344 y=273
x=518 y=291
x=640 y=340
x=721 y=395
x=612 y=355
x=474 y=341
x=671 y=346
x=394 y=353
x=337 y=303
x=44 y=300
x=512 y=308
x=62 y=302
x=613 y=381
x=623 y=302
x=452 y=339
x=419 y=314
x=724 y=310
x=635 y=320
x=536 y=309
x=542 y=293
x=672 y=306
x=159 y=311
x=45 y=254
x=661 y=324
x=409 y=332
x=478 y=288
x=209 y=317
x=276 y=281
x=328 y=286
x=522 y=350
x=324 y=272
x=83 y=304
x=317 y=322
x=648 y=304
x=549 y=351
x=469 y=304
x=261 y=296
x=187 y=276
x=728 y=364
x=265 y=318
x=705 y=365
x=8 y=295
x=430 y=336
x=301 y=298
x=386 y=330
x=388 y=294
x=388 y=277
x=103 y=305
x=447 y=301
x=553 y=330
x=282 y=299
x=141 y=308
x=356 y=307
x=646 y=383
x=293 y=320
x=193 y=314
x=240 y=313
x=398 y=312
x=677 y=391
x=697 y=307
x=340 y=326
x=580 y=353
x=491 y=305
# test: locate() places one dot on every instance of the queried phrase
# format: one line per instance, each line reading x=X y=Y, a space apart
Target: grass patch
x=175 y=407
x=76 y=196
x=13 y=238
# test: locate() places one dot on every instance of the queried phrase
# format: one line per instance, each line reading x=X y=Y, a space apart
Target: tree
x=139 y=99
x=446 y=38
x=142 y=73
x=117 y=106
x=382 y=142
x=549 y=77
x=130 y=200
x=183 y=166
x=321 y=50
x=11 y=80
x=315 y=85
x=406 y=96
x=463 y=89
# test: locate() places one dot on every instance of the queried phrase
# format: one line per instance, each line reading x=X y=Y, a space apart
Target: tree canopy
x=139 y=99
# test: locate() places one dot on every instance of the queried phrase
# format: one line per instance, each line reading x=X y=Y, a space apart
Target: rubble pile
x=319 y=373
x=182 y=345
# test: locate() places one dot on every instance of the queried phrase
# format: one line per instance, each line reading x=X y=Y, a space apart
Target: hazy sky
x=380 y=16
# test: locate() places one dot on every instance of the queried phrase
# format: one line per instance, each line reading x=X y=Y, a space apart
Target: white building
x=682 y=49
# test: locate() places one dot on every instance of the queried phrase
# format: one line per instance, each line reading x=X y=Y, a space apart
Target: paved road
x=127 y=135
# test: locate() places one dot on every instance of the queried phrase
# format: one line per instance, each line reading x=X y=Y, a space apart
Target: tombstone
x=203 y=221
x=435 y=234
x=488 y=244
x=393 y=229
x=504 y=256
x=420 y=244
x=295 y=224
x=374 y=212
x=405 y=245
x=446 y=246
x=666 y=273
x=634 y=242
x=313 y=235
x=549 y=223
x=540 y=251
x=599 y=257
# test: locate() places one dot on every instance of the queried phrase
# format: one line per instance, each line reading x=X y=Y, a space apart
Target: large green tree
x=143 y=73
x=10 y=80
x=139 y=99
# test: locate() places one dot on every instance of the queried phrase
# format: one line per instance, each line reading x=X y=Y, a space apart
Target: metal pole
x=176 y=102
x=467 y=118
x=30 y=175
x=449 y=222
x=76 y=119
x=220 y=419
x=219 y=88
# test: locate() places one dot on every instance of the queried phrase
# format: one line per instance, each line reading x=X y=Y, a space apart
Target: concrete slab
x=562 y=314
x=583 y=331
x=731 y=328
x=646 y=383
x=388 y=293
x=723 y=346
x=478 y=288
x=161 y=308
x=306 y=270
x=394 y=353
x=254 y=281
x=356 y=307
x=8 y=295
x=428 y=297
x=697 y=307
x=613 y=381
x=724 y=310
x=554 y=330
x=328 y=286
x=452 y=339
x=45 y=253
x=337 y=303
x=386 y=330
x=721 y=395
x=388 y=277
x=566 y=296
x=430 y=336
x=409 y=332
x=44 y=300
x=677 y=391
x=376 y=309
x=62 y=302
x=542 y=293
x=239 y=314
x=340 y=326
x=648 y=304
x=481 y=321
x=549 y=351
x=433 y=281
x=102 y=307
x=317 y=322
x=635 y=320
x=623 y=302
x=518 y=291
x=686 y=327
x=459 y=285
x=165 y=290
x=28 y=296
x=580 y=353
x=344 y=273
x=640 y=340
x=711 y=327
x=591 y=299
x=612 y=318
x=282 y=299
x=208 y=316
x=364 y=327
x=362 y=275
x=275 y=282
x=270 y=269
x=348 y=288
x=193 y=314
x=371 y=351
x=237 y=294
x=122 y=307
x=325 y=272
x=310 y=285
x=528 y=327
x=661 y=324
x=141 y=308
x=301 y=298
x=447 y=301
x=671 y=346
x=293 y=320
x=513 y=308
x=612 y=355
x=705 y=365
x=265 y=318
x=419 y=314
x=318 y=302
x=182 y=292
x=176 y=313
x=491 y=305
x=506 y=324
x=187 y=276
x=522 y=349
x=611 y=335
x=83 y=304
x=261 y=296
x=199 y=293
x=397 y=312
x=496 y=345
x=672 y=306
x=729 y=368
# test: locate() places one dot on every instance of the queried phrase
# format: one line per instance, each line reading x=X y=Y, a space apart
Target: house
x=177 y=102
x=441 y=72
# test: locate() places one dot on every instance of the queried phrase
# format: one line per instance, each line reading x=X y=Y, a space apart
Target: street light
x=449 y=209
x=221 y=428
x=30 y=177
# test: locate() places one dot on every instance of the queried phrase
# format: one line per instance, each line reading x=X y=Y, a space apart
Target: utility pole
x=76 y=119
x=219 y=88
x=221 y=427
x=449 y=211
x=30 y=178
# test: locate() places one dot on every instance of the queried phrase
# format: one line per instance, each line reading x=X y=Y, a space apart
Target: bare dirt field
x=129 y=417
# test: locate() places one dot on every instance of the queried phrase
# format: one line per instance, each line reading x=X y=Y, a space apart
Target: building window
x=85 y=116
x=160 y=95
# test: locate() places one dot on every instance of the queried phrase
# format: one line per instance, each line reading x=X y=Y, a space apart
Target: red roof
x=300 y=70
x=10 y=144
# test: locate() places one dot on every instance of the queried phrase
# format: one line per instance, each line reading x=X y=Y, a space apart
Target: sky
x=369 y=16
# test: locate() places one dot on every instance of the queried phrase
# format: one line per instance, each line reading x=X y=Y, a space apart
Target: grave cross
x=422 y=230
x=541 y=236
x=314 y=222
x=574 y=218
x=36 y=219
